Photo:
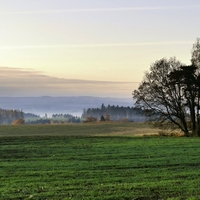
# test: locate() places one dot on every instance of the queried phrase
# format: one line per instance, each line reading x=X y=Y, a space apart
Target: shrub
x=107 y=117
x=102 y=119
x=18 y=121
x=171 y=133
x=125 y=120
x=91 y=119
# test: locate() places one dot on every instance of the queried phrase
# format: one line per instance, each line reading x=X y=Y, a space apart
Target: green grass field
x=71 y=162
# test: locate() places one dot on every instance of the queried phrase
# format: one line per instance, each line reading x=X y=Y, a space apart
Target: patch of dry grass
x=134 y=129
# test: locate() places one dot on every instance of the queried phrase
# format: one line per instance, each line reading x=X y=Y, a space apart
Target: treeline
x=9 y=116
x=30 y=115
x=116 y=113
x=55 y=119
x=68 y=116
x=65 y=118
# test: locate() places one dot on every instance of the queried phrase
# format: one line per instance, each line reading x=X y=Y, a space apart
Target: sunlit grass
x=83 y=129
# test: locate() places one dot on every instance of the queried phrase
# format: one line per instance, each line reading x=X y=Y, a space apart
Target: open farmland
x=82 y=129
x=68 y=166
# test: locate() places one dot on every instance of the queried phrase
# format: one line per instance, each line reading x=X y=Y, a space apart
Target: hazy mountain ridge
x=51 y=105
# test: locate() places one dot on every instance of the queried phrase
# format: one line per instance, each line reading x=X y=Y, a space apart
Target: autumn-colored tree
x=107 y=118
x=18 y=121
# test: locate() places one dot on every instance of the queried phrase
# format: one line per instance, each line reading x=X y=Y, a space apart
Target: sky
x=95 y=48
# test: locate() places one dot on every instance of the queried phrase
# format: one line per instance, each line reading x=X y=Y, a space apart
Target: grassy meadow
x=82 y=129
x=96 y=161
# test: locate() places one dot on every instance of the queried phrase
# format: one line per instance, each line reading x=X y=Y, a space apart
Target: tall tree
x=187 y=78
x=166 y=94
x=195 y=60
x=171 y=92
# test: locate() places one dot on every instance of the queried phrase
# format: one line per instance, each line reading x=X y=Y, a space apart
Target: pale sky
x=100 y=42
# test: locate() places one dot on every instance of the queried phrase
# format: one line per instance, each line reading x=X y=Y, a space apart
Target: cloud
x=27 y=82
x=95 y=45
x=77 y=10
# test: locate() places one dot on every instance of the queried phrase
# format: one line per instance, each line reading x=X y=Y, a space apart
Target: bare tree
x=195 y=60
x=170 y=92
x=167 y=93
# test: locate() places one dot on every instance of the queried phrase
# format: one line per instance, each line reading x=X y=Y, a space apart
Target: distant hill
x=55 y=105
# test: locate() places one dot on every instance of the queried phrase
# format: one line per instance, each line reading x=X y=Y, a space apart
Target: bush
x=125 y=120
x=91 y=119
x=18 y=121
x=102 y=119
x=171 y=133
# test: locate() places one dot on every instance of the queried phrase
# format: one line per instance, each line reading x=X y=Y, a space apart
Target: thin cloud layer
x=77 y=10
x=95 y=45
x=26 y=82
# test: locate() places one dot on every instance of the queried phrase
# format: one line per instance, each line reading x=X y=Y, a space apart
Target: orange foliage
x=18 y=121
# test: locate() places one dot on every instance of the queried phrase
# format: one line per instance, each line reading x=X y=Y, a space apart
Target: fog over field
x=56 y=105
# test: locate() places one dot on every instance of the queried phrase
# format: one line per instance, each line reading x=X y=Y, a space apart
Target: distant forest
x=9 y=116
x=56 y=119
x=116 y=113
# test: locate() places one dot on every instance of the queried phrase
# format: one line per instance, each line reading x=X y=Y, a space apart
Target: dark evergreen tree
x=115 y=113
